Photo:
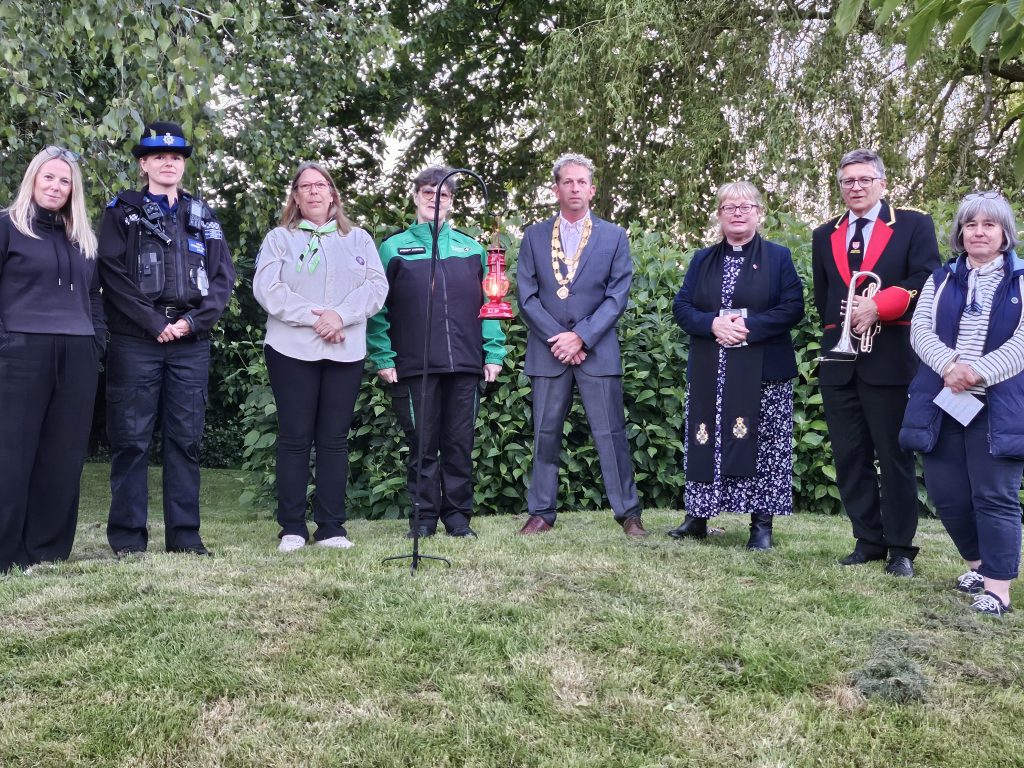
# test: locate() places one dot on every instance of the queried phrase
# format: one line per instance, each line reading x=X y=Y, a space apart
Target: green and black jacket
x=459 y=341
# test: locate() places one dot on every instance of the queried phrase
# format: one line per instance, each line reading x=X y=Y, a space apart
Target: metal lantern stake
x=416 y=557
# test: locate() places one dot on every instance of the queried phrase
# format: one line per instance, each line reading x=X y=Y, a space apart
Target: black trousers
x=444 y=489
x=47 y=390
x=148 y=381
x=315 y=401
x=864 y=423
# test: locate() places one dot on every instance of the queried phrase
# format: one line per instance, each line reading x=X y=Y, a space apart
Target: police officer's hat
x=162 y=137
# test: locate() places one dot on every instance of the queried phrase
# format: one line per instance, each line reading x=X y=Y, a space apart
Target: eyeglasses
x=728 y=210
x=429 y=193
x=863 y=181
x=983 y=196
x=63 y=154
x=319 y=186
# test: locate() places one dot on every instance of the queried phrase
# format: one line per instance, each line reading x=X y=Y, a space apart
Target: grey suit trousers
x=602 y=401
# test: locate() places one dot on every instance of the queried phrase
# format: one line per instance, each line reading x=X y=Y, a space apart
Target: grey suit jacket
x=597 y=298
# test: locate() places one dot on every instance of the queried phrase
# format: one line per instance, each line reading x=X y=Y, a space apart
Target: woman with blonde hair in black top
x=51 y=338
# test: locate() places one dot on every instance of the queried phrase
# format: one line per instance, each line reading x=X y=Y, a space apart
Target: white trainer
x=335 y=542
x=290 y=543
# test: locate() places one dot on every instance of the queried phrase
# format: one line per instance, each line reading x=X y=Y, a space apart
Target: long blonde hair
x=76 y=218
x=291 y=216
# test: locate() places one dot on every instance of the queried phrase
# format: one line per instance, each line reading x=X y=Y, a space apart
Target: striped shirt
x=998 y=365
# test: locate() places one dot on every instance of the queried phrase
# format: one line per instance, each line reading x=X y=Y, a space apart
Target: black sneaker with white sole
x=971 y=583
x=990 y=605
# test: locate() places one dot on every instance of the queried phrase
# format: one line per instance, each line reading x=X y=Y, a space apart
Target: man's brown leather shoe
x=536 y=524
x=632 y=526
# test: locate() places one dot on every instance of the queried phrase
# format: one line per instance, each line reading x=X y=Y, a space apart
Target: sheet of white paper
x=962 y=406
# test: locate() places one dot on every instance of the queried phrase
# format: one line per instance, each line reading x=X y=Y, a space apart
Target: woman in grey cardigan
x=319 y=278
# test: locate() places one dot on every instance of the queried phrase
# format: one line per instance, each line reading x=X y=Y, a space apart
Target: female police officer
x=167 y=276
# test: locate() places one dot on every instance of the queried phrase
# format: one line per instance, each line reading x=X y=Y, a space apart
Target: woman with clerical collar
x=52 y=334
x=740 y=299
x=319 y=278
x=964 y=412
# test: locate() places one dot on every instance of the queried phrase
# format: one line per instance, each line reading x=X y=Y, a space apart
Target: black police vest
x=170 y=265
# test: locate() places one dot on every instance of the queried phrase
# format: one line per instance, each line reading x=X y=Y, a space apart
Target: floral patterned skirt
x=770 y=491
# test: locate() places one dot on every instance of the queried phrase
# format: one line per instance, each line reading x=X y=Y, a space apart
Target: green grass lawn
x=577 y=648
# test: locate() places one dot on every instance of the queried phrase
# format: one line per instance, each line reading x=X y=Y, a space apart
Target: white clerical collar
x=871 y=215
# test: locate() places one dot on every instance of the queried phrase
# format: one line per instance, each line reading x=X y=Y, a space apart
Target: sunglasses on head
x=63 y=154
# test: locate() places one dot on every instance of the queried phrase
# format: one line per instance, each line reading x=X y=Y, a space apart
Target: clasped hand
x=729 y=330
x=174 y=331
x=961 y=377
x=567 y=347
x=329 y=326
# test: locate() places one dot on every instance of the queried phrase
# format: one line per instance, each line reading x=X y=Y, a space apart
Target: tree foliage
x=988 y=37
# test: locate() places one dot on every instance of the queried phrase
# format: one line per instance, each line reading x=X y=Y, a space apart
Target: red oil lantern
x=496 y=284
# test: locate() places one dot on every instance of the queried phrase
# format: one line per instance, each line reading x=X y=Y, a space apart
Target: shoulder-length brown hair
x=291 y=216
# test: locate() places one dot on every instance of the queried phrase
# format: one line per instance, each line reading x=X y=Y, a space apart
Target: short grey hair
x=571 y=158
x=861 y=156
x=744 y=190
x=991 y=205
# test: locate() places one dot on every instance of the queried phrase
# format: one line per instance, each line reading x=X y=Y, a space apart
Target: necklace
x=558 y=257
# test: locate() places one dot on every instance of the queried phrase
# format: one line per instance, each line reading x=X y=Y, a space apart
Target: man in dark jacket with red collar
x=864 y=397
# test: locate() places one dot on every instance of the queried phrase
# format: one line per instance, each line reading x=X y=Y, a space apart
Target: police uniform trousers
x=315 y=402
x=864 y=422
x=602 y=401
x=149 y=383
x=447 y=419
x=47 y=390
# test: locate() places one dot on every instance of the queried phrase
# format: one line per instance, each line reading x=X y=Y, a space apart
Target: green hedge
x=654 y=358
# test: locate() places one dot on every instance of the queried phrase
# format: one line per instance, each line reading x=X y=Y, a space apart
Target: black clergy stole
x=741 y=399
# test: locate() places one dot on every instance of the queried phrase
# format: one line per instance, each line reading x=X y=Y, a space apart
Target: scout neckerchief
x=558 y=258
x=312 y=249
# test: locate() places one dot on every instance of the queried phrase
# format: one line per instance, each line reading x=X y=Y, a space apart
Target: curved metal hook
x=437 y=196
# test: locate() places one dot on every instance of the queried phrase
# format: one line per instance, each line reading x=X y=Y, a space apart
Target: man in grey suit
x=574 y=275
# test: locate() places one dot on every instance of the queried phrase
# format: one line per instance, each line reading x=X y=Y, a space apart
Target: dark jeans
x=975 y=494
x=147 y=381
x=315 y=401
x=444 y=489
x=47 y=390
